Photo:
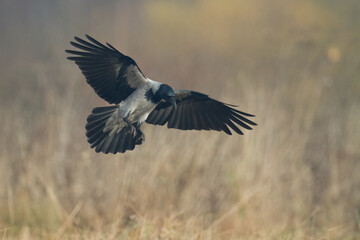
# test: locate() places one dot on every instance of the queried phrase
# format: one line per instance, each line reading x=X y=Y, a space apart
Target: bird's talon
x=140 y=139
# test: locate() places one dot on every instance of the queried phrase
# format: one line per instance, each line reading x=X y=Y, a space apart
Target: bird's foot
x=130 y=127
x=140 y=138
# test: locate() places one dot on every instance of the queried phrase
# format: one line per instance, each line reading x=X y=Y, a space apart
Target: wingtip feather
x=78 y=39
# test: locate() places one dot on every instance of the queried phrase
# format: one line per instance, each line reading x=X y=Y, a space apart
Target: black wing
x=110 y=73
x=197 y=111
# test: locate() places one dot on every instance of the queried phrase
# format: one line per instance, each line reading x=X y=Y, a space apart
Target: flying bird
x=117 y=78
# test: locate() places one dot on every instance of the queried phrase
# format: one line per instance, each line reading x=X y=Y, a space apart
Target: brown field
x=294 y=64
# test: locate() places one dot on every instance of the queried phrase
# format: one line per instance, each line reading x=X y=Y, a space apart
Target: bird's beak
x=172 y=101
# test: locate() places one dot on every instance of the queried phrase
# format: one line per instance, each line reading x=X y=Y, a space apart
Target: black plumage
x=106 y=69
x=117 y=78
x=199 y=112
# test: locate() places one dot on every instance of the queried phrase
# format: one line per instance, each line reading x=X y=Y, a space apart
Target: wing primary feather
x=233 y=126
x=109 y=45
x=244 y=119
x=242 y=113
x=223 y=114
x=226 y=114
x=92 y=60
x=83 y=54
x=92 y=64
x=79 y=60
x=219 y=117
x=85 y=48
x=96 y=42
x=87 y=43
x=226 y=129
x=213 y=124
x=234 y=119
x=92 y=67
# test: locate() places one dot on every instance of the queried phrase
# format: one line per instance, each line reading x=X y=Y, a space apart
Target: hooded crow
x=138 y=99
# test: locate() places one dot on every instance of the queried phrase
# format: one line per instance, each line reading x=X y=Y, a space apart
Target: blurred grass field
x=294 y=64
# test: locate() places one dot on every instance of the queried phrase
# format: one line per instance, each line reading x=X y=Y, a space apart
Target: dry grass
x=296 y=176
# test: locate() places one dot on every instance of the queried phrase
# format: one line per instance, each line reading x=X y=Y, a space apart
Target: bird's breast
x=137 y=106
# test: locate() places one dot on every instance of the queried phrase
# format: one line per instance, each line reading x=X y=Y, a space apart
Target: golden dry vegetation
x=295 y=64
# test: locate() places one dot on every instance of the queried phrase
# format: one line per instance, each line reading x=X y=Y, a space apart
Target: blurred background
x=294 y=64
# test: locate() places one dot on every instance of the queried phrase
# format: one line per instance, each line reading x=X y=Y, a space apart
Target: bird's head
x=167 y=93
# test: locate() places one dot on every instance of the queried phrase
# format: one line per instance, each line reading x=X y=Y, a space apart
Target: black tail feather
x=108 y=142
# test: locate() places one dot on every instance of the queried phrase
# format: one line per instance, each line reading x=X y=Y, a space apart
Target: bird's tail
x=107 y=135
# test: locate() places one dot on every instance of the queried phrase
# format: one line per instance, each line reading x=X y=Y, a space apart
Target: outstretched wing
x=110 y=73
x=197 y=111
